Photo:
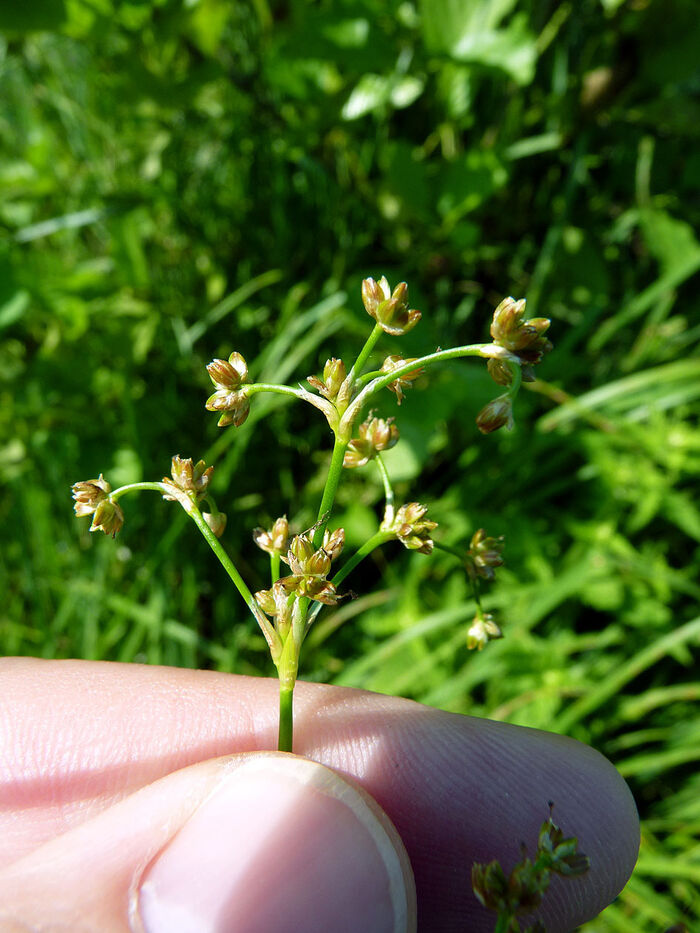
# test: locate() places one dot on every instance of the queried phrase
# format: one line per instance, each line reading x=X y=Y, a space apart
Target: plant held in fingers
x=343 y=394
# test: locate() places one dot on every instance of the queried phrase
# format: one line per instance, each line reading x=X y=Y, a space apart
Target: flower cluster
x=411 y=528
x=389 y=309
x=521 y=891
x=188 y=478
x=483 y=555
x=310 y=567
x=392 y=363
x=92 y=498
x=524 y=338
x=375 y=435
x=230 y=398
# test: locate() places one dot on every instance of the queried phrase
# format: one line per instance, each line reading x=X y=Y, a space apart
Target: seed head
x=482 y=630
x=412 y=529
x=89 y=494
x=525 y=338
x=108 y=517
x=484 y=554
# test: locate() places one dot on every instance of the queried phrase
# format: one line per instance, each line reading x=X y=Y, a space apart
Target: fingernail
x=282 y=845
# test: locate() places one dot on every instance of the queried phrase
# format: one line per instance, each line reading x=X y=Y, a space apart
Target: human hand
x=137 y=798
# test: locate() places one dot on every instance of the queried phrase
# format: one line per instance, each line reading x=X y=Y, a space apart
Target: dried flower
x=496 y=414
x=375 y=434
x=482 y=630
x=389 y=309
x=231 y=397
x=273 y=541
x=89 y=494
x=484 y=554
x=188 y=478
x=403 y=382
x=412 y=529
x=334 y=374
x=108 y=517
x=333 y=542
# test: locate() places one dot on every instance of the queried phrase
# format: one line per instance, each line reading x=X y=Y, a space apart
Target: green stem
x=365 y=351
x=257 y=387
x=134 y=487
x=332 y=480
x=224 y=560
x=274 y=567
x=484 y=350
x=286 y=729
x=388 y=490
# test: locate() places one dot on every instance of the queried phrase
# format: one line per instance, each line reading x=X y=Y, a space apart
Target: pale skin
x=82 y=817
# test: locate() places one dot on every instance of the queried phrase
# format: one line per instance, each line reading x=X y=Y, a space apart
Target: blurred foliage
x=181 y=178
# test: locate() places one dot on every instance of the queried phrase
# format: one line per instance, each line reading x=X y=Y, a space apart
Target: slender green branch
x=484 y=350
x=517 y=374
x=257 y=387
x=365 y=351
x=368 y=377
x=388 y=489
x=136 y=487
x=224 y=560
x=332 y=480
x=274 y=567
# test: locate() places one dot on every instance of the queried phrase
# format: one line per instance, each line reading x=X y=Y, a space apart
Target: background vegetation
x=181 y=178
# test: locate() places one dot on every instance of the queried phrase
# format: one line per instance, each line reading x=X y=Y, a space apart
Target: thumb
x=252 y=843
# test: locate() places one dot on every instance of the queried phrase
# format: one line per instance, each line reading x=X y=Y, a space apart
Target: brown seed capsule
x=497 y=414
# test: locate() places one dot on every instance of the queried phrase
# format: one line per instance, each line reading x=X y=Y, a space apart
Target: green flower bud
x=524 y=338
x=189 y=478
x=412 y=529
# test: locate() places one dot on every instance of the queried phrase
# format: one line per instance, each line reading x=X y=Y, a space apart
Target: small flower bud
x=499 y=372
x=334 y=374
x=395 y=362
x=497 y=414
x=217 y=522
x=228 y=375
x=389 y=309
x=482 y=630
x=273 y=541
x=108 y=517
x=300 y=551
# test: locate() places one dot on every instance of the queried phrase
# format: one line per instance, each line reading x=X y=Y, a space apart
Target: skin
x=81 y=740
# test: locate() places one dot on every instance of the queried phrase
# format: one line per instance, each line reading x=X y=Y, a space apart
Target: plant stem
x=334 y=471
x=365 y=351
x=388 y=490
x=484 y=350
x=257 y=387
x=274 y=567
x=134 y=487
x=224 y=559
x=286 y=727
